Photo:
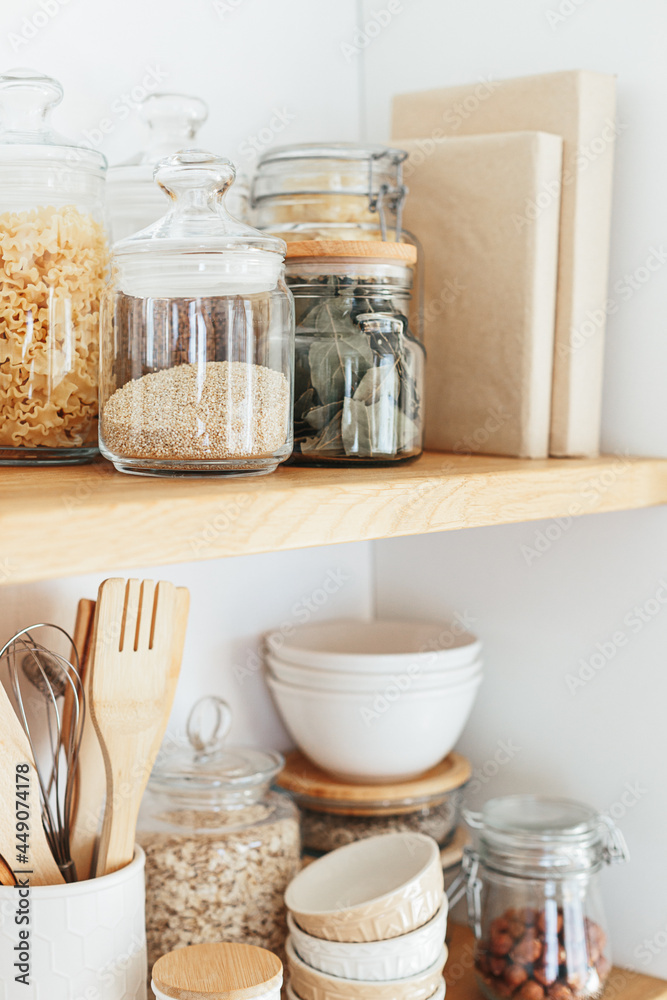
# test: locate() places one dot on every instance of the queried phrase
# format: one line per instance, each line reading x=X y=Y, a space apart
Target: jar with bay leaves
x=359 y=370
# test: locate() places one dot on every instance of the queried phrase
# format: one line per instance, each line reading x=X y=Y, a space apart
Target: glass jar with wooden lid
x=359 y=365
x=334 y=813
x=218 y=972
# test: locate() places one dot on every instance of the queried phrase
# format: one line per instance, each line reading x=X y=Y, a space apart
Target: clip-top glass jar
x=221 y=847
x=359 y=370
x=197 y=337
x=54 y=259
x=333 y=191
x=534 y=901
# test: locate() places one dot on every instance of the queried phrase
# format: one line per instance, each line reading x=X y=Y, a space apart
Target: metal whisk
x=58 y=723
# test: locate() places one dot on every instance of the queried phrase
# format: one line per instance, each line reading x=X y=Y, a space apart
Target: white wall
x=542 y=616
x=302 y=57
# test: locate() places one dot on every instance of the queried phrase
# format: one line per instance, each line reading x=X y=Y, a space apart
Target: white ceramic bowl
x=375 y=739
x=411 y=679
x=375 y=646
x=371 y=890
x=438 y=995
x=374 y=961
x=313 y=985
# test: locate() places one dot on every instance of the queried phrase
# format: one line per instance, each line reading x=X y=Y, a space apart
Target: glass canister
x=197 y=337
x=359 y=370
x=534 y=901
x=54 y=259
x=335 y=813
x=207 y=972
x=221 y=846
x=333 y=191
x=134 y=201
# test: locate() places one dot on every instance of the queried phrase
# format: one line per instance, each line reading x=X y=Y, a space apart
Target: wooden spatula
x=91 y=773
x=6 y=874
x=16 y=765
x=132 y=684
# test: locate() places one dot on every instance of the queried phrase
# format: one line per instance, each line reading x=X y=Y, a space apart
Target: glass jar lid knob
x=27 y=99
x=194 y=179
x=208 y=725
x=174 y=120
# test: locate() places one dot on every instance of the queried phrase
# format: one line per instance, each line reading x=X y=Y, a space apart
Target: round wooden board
x=327 y=794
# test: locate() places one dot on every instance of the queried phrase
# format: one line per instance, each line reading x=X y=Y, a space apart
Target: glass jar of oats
x=53 y=266
x=221 y=847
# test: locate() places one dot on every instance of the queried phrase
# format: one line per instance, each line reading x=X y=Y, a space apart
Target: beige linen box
x=579 y=106
x=490 y=262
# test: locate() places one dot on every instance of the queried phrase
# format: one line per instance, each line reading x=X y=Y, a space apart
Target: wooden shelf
x=460 y=977
x=62 y=521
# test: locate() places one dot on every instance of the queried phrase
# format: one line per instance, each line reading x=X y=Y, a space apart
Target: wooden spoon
x=6 y=874
x=17 y=771
x=138 y=630
x=91 y=774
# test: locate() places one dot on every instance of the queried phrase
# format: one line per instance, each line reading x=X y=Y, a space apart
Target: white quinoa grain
x=216 y=410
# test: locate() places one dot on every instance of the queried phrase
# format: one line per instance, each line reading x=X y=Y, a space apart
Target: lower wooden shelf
x=460 y=977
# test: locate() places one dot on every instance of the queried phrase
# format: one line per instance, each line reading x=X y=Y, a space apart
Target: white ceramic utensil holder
x=87 y=940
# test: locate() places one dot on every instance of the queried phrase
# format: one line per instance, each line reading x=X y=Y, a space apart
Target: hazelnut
x=545 y=974
x=497 y=965
x=516 y=927
x=531 y=991
x=499 y=926
x=559 y=991
x=550 y=921
x=501 y=989
x=515 y=975
x=501 y=944
x=528 y=949
x=482 y=962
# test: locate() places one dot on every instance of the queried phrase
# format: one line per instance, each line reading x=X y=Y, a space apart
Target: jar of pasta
x=197 y=336
x=221 y=846
x=53 y=259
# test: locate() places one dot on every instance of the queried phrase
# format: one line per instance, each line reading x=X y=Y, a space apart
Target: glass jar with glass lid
x=197 y=337
x=534 y=901
x=54 y=259
x=332 y=191
x=221 y=846
x=359 y=368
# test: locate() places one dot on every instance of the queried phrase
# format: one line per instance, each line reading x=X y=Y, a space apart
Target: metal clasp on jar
x=469 y=883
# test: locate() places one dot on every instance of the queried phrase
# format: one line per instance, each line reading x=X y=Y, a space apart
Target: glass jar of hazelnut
x=534 y=901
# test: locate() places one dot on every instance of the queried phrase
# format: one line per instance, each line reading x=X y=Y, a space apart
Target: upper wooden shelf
x=80 y=519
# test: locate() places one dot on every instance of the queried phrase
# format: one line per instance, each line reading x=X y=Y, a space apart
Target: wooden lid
x=453 y=853
x=377 y=249
x=218 y=972
x=304 y=780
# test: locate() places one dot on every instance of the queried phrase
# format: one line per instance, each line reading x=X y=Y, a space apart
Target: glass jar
x=54 y=258
x=334 y=191
x=359 y=371
x=334 y=813
x=221 y=847
x=134 y=201
x=534 y=901
x=197 y=337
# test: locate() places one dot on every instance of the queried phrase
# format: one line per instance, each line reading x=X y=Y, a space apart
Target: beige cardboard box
x=490 y=272
x=580 y=107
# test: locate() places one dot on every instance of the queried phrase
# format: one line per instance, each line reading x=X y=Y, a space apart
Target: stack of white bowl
x=374 y=701
x=368 y=922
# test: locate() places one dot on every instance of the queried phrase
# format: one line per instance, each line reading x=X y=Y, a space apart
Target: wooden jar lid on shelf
x=218 y=972
x=321 y=792
x=406 y=253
